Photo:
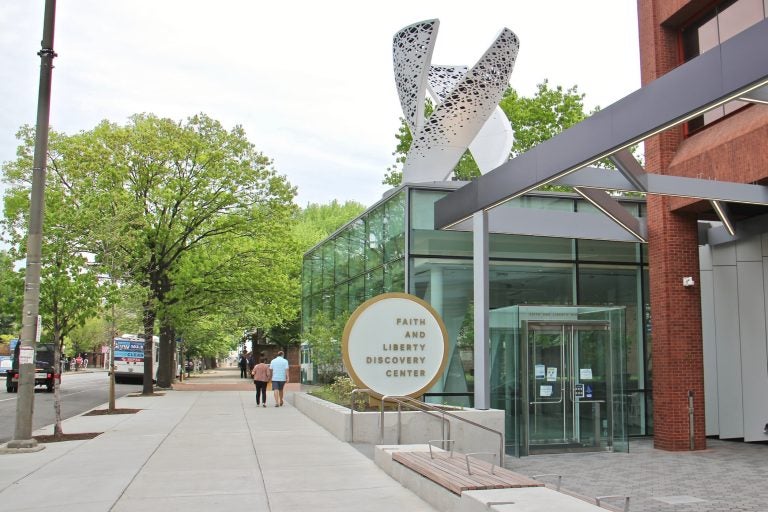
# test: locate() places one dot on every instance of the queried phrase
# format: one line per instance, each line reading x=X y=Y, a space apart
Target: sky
x=311 y=82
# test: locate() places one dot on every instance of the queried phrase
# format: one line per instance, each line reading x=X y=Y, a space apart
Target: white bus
x=129 y=358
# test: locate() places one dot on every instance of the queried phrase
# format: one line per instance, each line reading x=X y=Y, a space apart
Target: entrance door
x=569 y=387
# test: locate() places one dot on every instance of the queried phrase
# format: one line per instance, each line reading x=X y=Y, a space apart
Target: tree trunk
x=57 y=430
x=149 y=332
x=164 y=371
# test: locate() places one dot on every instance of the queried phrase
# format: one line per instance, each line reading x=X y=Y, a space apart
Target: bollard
x=690 y=419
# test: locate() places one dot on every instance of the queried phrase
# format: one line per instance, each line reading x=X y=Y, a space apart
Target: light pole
x=22 y=437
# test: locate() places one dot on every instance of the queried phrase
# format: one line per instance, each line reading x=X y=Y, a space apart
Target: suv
x=45 y=370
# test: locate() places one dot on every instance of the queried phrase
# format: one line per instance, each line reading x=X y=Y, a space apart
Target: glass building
x=569 y=319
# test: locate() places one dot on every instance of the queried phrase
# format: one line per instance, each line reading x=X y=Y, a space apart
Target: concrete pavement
x=206 y=446
x=199 y=450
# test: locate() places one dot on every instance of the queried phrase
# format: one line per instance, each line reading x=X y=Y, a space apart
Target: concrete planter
x=416 y=427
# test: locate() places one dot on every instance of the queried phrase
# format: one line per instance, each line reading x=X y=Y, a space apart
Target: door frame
x=567 y=356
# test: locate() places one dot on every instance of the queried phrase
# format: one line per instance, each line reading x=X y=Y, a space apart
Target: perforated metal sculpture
x=466 y=115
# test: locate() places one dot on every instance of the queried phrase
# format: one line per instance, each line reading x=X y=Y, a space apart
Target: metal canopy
x=735 y=69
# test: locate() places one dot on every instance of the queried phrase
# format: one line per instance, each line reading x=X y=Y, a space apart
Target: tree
x=70 y=291
x=159 y=196
x=318 y=221
x=11 y=293
x=534 y=120
x=189 y=186
x=313 y=224
x=538 y=118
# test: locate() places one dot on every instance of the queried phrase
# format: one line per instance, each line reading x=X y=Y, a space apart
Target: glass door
x=568 y=387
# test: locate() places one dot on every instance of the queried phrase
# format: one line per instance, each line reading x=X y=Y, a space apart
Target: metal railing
x=368 y=392
x=427 y=408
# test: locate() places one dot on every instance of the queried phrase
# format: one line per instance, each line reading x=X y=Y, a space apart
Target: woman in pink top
x=262 y=374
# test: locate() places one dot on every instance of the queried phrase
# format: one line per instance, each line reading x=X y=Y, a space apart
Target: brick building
x=720 y=355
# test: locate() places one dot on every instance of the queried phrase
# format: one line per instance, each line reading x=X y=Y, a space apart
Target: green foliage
x=207 y=336
x=340 y=392
x=466 y=337
x=188 y=212
x=317 y=221
x=70 y=289
x=538 y=118
x=11 y=294
x=324 y=337
x=88 y=337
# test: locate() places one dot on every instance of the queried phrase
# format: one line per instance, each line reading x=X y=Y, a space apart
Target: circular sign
x=395 y=344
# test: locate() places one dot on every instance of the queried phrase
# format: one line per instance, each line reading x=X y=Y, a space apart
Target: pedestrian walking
x=262 y=374
x=279 y=367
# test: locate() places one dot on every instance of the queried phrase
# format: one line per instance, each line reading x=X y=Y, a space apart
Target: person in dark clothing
x=243 y=364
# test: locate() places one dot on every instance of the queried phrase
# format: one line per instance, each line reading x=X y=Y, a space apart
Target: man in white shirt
x=279 y=367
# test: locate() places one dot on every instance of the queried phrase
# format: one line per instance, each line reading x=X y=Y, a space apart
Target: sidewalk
x=205 y=446
x=195 y=449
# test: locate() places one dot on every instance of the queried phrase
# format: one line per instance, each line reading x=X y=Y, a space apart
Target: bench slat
x=451 y=472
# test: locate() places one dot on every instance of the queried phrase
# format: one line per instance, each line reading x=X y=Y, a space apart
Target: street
x=80 y=392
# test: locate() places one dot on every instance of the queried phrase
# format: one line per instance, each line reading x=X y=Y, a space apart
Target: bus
x=129 y=358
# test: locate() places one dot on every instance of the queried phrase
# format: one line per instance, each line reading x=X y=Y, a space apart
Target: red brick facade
x=733 y=149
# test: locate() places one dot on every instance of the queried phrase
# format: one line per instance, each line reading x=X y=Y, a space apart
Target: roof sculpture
x=466 y=113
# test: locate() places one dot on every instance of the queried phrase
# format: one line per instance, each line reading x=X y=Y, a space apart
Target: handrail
x=599 y=499
x=368 y=392
x=444 y=413
x=420 y=407
x=352 y=411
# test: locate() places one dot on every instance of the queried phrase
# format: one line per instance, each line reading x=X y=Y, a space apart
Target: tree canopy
x=189 y=212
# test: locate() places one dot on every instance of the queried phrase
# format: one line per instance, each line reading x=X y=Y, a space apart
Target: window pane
x=394 y=276
x=394 y=228
x=356 y=292
x=423 y=208
x=707 y=36
x=306 y=276
x=374 y=283
x=601 y=250
x=341 y=304
x=317 y=270
x=374 y=239
x=513 y=284
x=739 y=17
x=530 y=247
x=357 y=248
x=441 y=243
x=328 y=267
x=341 y=256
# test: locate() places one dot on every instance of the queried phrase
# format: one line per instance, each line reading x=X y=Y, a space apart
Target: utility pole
x=22 y=437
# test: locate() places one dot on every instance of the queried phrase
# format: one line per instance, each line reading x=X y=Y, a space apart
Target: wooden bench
x=450 y=471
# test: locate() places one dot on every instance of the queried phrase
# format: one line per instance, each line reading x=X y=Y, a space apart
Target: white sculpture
x=466 y=114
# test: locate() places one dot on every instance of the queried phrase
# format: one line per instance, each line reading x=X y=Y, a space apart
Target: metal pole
x=690 y=420
x=22 y=437
x=480 y=249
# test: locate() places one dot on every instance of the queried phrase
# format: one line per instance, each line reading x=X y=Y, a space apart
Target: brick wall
x=732 y=149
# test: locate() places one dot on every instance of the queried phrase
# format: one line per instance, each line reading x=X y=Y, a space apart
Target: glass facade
x=394 y=247
x=363 y=259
